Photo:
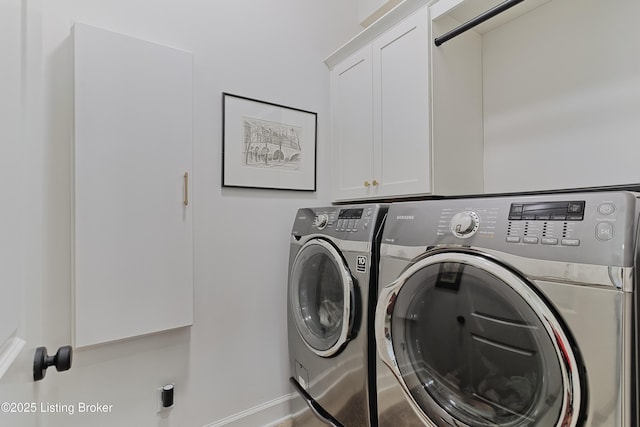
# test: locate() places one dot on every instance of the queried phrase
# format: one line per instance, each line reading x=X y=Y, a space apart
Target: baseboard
x=273 y=413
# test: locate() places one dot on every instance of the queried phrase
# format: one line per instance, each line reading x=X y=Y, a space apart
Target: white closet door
x=133 y=147
x=12 y=149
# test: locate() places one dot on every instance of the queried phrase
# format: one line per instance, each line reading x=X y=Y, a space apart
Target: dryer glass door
x=321 y=297
x=473 y=344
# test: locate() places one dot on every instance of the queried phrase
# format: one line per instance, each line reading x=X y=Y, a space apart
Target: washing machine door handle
x=382 y=323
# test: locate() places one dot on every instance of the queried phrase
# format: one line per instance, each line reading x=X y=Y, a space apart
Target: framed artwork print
x=266 y=145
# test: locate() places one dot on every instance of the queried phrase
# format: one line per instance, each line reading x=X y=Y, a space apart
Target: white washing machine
x=509 y=311
x=333 y=267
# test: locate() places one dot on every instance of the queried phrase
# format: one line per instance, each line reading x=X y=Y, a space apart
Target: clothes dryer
x=333 y=267
x=509 y=311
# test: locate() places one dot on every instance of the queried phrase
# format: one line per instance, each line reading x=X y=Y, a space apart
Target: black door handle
x=61 y=360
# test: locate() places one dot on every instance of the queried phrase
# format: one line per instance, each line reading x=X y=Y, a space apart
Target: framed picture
x=266 y=145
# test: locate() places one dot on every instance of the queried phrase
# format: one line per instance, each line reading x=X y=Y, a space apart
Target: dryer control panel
x=554 y=223
x=591 y=227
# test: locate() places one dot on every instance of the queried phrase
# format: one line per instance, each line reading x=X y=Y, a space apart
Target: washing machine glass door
x=321 y=297
x=473 y=344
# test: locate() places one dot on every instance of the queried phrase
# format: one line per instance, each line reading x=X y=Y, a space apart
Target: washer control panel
x=345 y=220
x=349 y=222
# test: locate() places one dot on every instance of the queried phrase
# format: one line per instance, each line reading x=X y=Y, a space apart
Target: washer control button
x=530 y=240
x=606 y=208
x=570 y=242
x=350 y=225
x=549 y=241
x=513 y=239
x=604 y=231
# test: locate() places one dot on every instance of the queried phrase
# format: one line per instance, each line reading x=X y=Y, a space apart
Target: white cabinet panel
x=351 y=108
x=133 y=146
x=401 y=108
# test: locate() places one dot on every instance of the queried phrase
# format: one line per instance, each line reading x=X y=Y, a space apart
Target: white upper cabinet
x=381 y=115
x=133 y=213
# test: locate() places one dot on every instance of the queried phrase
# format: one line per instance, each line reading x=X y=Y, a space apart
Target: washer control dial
x=464 y=224
x=321 y=221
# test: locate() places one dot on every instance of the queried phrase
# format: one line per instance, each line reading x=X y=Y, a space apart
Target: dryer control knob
x=321 y=221
x=464 y=224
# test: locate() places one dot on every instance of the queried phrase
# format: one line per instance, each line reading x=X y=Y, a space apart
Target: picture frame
x=267 y=145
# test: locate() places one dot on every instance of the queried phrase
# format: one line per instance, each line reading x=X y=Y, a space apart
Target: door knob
x=61 y=360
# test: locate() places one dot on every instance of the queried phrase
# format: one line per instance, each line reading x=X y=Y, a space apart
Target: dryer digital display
x=548 y=211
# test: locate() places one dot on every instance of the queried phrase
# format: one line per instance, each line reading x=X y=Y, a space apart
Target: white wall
x=562 y=96
x=235 y=357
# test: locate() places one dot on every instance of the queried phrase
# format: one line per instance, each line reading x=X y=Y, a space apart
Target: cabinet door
x=401 y=109
x=133 y=225
x=352 y=127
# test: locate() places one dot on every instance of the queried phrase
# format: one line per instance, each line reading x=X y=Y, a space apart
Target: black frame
x=294 y=112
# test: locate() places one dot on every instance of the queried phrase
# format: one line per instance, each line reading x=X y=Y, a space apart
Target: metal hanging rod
x=508 y=4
